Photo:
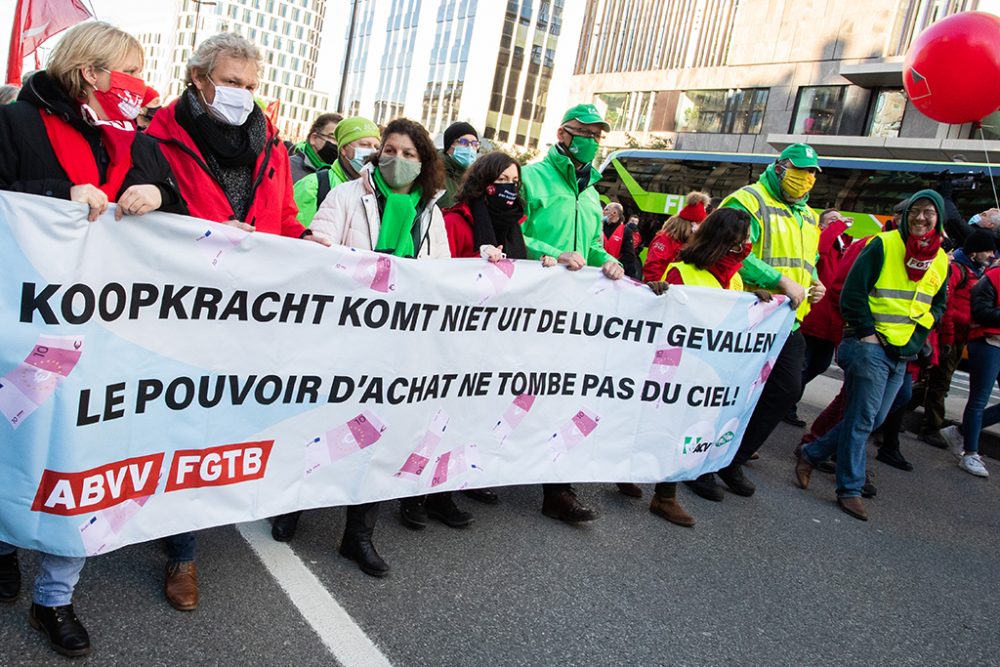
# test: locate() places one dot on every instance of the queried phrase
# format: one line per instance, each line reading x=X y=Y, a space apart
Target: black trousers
x=361 y=520
x=781 y=392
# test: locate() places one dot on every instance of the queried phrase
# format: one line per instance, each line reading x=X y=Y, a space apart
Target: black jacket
x=984 y=305
x=29 y=164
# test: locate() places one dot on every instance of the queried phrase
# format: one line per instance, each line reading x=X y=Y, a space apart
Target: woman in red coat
x=676 y=232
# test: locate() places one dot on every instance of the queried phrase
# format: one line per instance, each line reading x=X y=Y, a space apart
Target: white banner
x=164 y=374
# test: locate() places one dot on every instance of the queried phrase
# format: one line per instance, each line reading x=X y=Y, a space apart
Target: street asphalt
x=782 y=578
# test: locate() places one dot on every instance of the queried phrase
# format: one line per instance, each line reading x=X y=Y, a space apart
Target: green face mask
x=583 y=149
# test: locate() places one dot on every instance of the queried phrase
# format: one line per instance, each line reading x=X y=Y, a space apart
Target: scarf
x=498 y=226
x=230 y=146
x=395 y=234
x=920 y=253
x=76 y=157
x=729 y=265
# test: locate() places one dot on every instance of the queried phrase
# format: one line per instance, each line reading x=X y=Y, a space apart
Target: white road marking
x=336 y=629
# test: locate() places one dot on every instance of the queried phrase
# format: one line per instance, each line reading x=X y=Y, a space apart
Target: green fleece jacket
x=306 y=190
x=867 y=268
x=453 y=173
x=560 y=217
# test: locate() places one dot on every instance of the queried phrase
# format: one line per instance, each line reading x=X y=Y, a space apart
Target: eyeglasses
x=589 y=134
x=926 y=213
x=472 y=143
x=328 y=137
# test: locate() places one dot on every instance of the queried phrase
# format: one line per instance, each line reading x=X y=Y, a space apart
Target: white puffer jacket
x=349 y=216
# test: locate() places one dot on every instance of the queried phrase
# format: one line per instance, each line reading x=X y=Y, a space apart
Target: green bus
x=652 y=183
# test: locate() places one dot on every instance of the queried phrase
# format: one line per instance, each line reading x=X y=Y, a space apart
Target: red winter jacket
x=824 y=320
x=273 y=210
x=955 y=323
x=663 y=249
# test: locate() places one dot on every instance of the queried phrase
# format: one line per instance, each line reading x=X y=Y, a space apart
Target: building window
x=739 y=111
x=818 y=110
x=887 y=112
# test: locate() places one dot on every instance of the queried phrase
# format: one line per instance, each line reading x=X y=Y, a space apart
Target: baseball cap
x=802 y=156
x=586 y=114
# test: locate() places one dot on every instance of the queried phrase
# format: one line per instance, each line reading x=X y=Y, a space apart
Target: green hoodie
x=865 y=272
x=560 y=218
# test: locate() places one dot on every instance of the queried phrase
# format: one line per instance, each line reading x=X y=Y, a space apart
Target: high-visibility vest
x=783 y=243
x=899 y=304
x=692 y=275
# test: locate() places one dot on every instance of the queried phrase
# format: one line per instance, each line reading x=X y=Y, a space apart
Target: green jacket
x=306 y=190
x=560 y=218
x=453 y=173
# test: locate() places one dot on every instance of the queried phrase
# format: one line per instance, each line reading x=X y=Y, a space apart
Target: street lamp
x=197 y=14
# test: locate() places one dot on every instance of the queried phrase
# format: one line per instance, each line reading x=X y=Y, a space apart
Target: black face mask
x=501 y=196
x=328 y=153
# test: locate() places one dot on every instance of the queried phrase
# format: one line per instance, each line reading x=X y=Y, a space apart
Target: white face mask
x=231 y=106
x=361 y=153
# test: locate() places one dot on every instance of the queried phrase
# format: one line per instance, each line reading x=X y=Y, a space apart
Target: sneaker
x=956 y=443
x=973 y=464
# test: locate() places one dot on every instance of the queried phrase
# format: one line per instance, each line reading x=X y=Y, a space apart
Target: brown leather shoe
x=671 y=510
x=629 y=489
x=565 y=507
x=181 y=586
x=803 y=471
x=854 y=507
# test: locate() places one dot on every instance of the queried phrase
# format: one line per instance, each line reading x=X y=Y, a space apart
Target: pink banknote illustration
x=35 y=379
x=101 y=530
x=454 y=464
x=337 y=443
x=765 y=372
x=665 y=362
x=513 y=416
x=418 y=459
x=215 y=243
x=493 y=278
x=573 y=432
x=761 y=310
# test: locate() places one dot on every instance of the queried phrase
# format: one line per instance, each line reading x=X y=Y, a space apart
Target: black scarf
x=230 y=146
x=498 y=226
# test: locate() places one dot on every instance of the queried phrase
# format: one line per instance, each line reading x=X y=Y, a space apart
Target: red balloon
x=952 y=70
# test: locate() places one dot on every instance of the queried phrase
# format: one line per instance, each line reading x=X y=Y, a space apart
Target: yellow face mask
x=797 y=183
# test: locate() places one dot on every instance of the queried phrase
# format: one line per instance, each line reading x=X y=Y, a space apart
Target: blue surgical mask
x=464 y=155
x=360 y=155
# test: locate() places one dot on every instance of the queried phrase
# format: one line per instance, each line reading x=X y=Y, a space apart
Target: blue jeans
x=871 y=383
x=984 y=369
x=180 y=547
x=57 y=577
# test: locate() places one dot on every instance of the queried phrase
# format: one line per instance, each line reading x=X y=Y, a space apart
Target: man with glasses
x=892 y=298
x=319 y=150
x=460 y=149
x=564 y=221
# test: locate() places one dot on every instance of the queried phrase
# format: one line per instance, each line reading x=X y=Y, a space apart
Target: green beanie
x=352 y=129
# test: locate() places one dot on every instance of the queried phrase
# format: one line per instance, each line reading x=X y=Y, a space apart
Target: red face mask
x=123 y=100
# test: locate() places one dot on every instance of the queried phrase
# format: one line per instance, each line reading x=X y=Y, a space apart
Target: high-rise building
x=288 y=34
x=752 y=77
x=498 y=65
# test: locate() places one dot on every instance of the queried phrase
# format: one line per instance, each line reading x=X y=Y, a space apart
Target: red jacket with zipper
x=272 y=210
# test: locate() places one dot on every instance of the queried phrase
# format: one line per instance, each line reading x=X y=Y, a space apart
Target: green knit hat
x=352 y=129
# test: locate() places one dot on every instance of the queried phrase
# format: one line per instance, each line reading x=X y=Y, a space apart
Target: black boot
x=64 y=630
x=706 y=487
x=737 y=482
x=413 y=512
x=357 y=543
x=485 y=496
x=441 y=506
x=283 y=526
x=10 y=577
x=891 y=456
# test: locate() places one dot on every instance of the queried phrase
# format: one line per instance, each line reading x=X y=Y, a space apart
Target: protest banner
x=164 y=374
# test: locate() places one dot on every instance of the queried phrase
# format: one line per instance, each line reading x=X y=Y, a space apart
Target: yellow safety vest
x=897 y=303
x=783 y=243
x=692 y=275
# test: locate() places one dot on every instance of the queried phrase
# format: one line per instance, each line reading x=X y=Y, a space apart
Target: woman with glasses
x=461 y=146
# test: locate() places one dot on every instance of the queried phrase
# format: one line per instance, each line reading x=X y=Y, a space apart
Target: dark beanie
x=979 y=241
x=456 y=130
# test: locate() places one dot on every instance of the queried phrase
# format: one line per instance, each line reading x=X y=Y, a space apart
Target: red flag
x=34 y=22
x=272 y=111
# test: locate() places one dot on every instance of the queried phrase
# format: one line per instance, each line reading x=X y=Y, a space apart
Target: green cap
x=586 y=114
x=352 y=129
x=802 y=156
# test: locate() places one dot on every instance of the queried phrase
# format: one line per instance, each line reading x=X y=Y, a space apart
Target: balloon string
x=989 y=167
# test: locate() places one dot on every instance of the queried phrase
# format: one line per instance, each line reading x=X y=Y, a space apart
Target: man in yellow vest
x=785 y=236
x=892 y=298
